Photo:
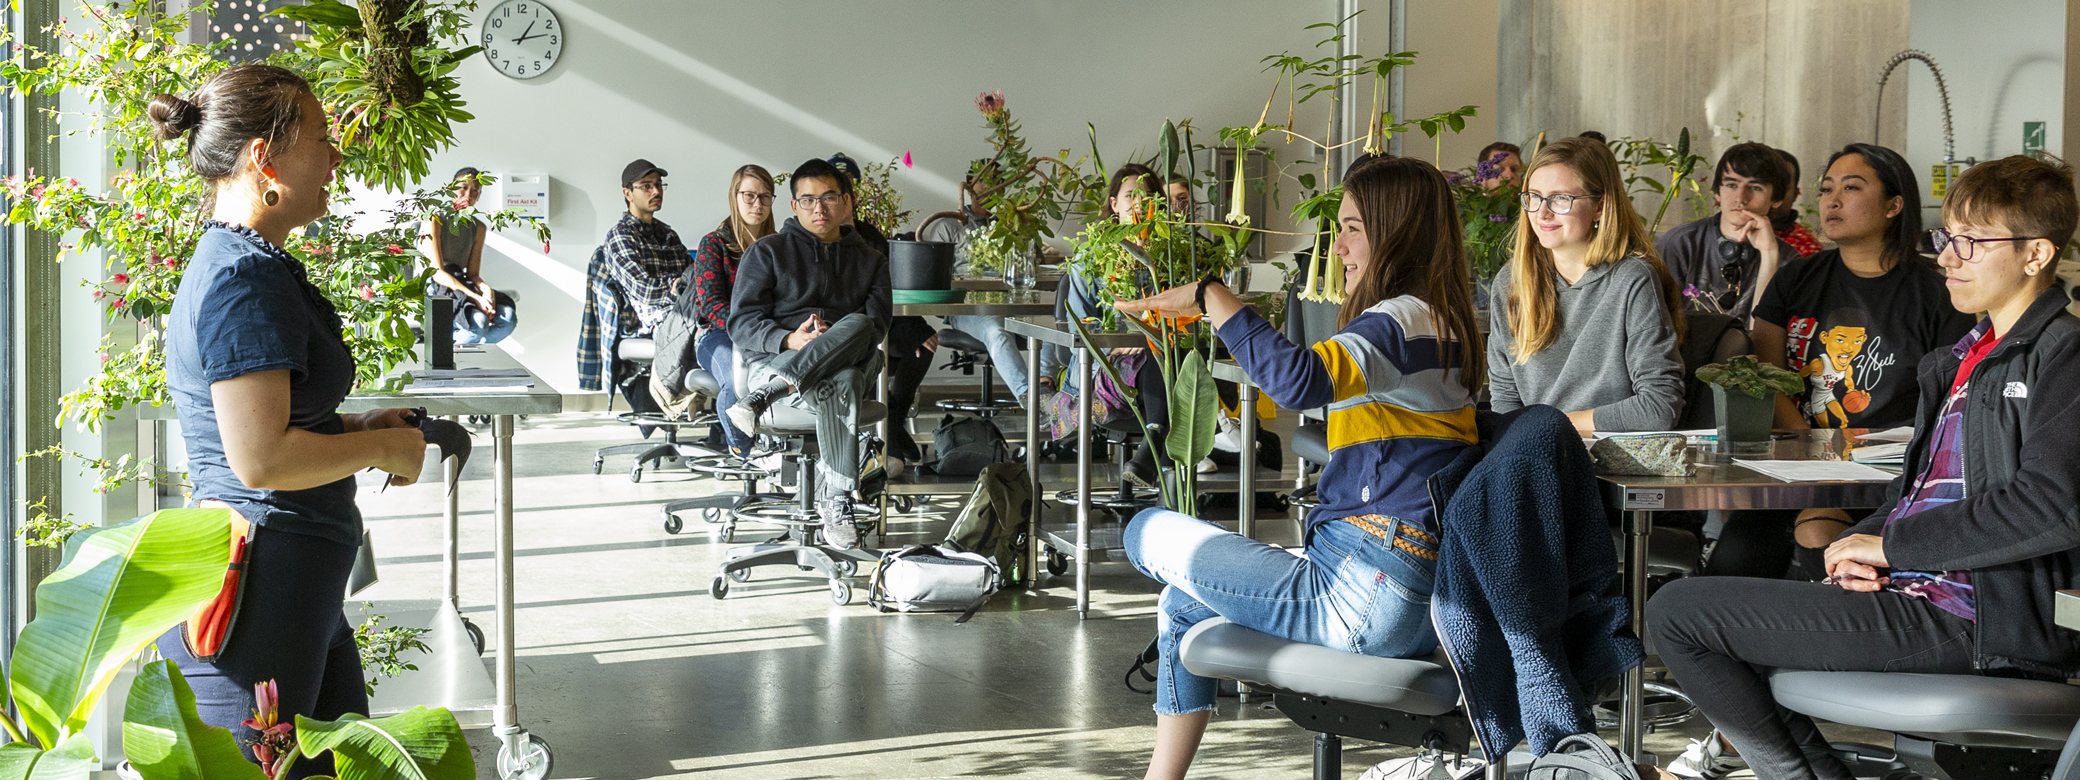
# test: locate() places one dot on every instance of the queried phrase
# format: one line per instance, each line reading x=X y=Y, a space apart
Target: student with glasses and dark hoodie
x=1956 y=574
x=809 y=311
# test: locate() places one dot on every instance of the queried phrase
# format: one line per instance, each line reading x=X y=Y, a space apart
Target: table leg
x=1085 y=430
x=451 y=562
x=1246 y=513
x=1034 y=438
x=1632 y=703
x=507 y=716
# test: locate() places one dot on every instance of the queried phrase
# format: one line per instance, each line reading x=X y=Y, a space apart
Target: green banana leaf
x=166 y=739
x=73 y=760
x=118 y=590
x=417 y=744
x=1193 y=407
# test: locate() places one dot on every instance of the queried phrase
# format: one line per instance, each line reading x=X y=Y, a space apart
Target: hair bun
x=173 y=116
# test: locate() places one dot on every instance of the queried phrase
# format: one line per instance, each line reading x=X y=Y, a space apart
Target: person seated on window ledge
x=809 y=311
x=1399 y=379
x=456 y=252
x=1983 y=521
x=644 y=255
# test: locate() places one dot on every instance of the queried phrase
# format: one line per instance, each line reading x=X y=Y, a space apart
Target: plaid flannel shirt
x=645 y=259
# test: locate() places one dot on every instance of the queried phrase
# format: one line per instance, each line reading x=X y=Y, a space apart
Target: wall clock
x=521 y=38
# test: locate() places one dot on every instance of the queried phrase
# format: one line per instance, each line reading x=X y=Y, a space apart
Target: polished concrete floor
x=629 y=669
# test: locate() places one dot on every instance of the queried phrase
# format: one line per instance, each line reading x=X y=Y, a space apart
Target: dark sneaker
x=1141 y=469
x=840 y=530
x=745 y=414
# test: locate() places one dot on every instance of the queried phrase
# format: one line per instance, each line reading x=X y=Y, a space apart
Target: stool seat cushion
x=1311 y=442
x=1961 y=709
x=1222 y=650
x=644 y=350
x=702 y=382
x=960 y=341
x=784 y=419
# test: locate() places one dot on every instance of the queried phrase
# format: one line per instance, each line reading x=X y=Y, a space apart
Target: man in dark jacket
x=1731 y=255
x=809 y=311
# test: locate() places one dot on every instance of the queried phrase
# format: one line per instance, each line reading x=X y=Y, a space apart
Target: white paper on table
x=1692 y=435
x=1901 y=434
x=1890 y=453
x=424 y=374
x=1815 y=470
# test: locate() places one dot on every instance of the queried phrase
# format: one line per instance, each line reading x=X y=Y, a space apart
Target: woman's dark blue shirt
x=246 y=306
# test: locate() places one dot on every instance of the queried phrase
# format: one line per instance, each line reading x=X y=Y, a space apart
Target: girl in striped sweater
x=1399 y=382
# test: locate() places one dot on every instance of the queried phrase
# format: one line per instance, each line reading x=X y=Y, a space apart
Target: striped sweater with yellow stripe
x=1397 y=409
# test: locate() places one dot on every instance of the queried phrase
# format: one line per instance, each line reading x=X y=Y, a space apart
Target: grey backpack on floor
x=964 y=445
x=924 y=578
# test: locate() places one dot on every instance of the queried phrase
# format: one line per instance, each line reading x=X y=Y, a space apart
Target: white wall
x=701 y=88
x=2004 y=64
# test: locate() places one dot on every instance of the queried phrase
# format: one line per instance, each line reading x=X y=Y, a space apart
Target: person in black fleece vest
x=809 y=312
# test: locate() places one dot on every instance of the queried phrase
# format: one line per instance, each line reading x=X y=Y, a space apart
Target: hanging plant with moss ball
x=385 y=72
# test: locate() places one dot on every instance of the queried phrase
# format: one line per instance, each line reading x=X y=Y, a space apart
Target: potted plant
x=1744 y=392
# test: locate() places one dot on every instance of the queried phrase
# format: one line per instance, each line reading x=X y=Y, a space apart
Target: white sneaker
x=1207 y=466
x=1418 y=768
x=1227 y=435
x=1706 y=759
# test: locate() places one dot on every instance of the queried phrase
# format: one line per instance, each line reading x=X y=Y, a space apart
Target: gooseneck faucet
x=1942 y=91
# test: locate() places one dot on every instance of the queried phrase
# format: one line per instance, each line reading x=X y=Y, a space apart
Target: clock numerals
x=510 y=52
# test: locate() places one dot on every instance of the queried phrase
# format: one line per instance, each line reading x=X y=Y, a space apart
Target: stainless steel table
x=520 y=753
x=1718 y=483
x=1047 y=330
x=984 y=302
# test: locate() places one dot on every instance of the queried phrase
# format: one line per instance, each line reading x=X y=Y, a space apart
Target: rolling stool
x=800 y=544
x=1411 y=702
x=718 y=509
x=1121 y=501
x=969 y=354
x=1944 y=726
x=649 y=453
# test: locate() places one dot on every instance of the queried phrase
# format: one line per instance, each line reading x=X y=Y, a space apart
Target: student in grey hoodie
x=1585 y=318
x=809 y=311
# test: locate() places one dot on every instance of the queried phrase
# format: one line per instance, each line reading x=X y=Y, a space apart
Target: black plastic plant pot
x=920 y=265
x=1744 y=420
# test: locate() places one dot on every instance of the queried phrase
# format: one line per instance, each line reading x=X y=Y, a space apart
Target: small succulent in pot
x=1750 y=375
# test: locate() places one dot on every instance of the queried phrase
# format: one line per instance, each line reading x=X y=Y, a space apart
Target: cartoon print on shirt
x=1845 y=360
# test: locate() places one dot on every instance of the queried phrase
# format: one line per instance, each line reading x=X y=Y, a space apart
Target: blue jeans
x=1003 y=349
x=716 y=354
x=1354 y=592
x=472 y=327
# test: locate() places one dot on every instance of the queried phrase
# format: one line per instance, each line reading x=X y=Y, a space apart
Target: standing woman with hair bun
x=257 y=369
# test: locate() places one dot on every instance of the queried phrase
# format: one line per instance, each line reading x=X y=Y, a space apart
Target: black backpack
x=964 y=445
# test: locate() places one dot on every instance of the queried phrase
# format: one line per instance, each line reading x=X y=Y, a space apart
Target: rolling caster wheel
x=598 y=463
x=635 y=473
x=846 y=567
x=1057 y=563
x=902 y=504
x=728 y=532
x=672 y=524
x=841 y=593
x=718 y=588
x=533 y=763
x=476 y=635
x=713 y=515
x=741 y=575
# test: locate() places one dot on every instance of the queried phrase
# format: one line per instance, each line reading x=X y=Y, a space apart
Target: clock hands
x=524 y=33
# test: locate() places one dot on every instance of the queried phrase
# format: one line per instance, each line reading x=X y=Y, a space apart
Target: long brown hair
x=1412 y=224
x=1533 y=319
x=742 y=233
x=1148 y=178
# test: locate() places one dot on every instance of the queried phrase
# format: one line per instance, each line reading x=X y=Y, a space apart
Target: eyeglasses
x=1964 y=246
x=750 y=198
x=645 y=186
x=828 y=201
x=1561 y=204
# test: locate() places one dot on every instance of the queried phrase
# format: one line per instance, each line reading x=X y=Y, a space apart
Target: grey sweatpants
x=831 y=376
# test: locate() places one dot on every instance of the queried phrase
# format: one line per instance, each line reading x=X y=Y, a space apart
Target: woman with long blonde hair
x=1585 y=318
x=713 y=276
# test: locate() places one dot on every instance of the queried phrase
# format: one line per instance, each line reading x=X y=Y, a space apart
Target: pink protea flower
x=120 y=278
x=394 y=249
x=990 y=103
x=906 y=160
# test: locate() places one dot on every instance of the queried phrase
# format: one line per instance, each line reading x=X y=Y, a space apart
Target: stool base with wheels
x=800 y=544
x=969 y=354
x=652 y=454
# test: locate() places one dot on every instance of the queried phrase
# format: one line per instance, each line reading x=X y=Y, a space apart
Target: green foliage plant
x=1750 y=375
x=1639 y=159
x=383 y=648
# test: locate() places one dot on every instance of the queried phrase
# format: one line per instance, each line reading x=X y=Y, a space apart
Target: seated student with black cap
x=809 y=311
x=1730 y=256
x=644 y=255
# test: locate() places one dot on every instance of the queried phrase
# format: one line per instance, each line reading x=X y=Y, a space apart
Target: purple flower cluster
x=1456 y=177
x=1498 y=218
x=1489 y=169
